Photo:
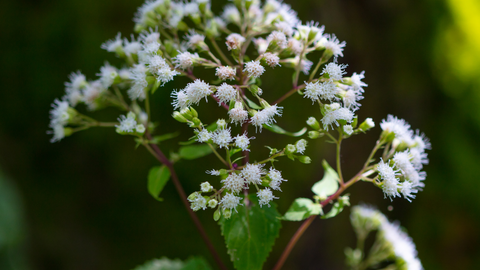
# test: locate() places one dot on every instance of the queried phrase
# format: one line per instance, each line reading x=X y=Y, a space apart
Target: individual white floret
x=213 y=172
x=194 y=39
x=421 y=142
x=401 y=244
x=212 y=203
x=261 y=45
x=127 y=123
x=348 y=129
x=334 y=70
x=333 y=45
x=222 y=137
x=156 y=63
x=398 y=126
x=311 y=31
x=230 y=201
x=218 y=21
x=58 y=132
x=390 y=181
x=204 y=135
x=191 y=8
x=143 y=13
x=272 y=59
x=265 y=196
x=283 y=13
x=151 y=36
x=230 y=14
x=185 y=60
x=113 y=45
x=206 y=187
x=328 y=90
x=139 y=82
x=238 y=115
x=305 y=66
x=166 y=74
x=225 y=93
x=350 y=98
x=140 y=128
x=312 y=91
x=275 y=179
x=278 y=38
x=284 y=27
x=418 y=158
x=357 y=81
x=301 y=146
x=234 y=182
x=242 y=142
x=333 y=113
x=295 y=46
x=180 y=99
x=225 y=72
x=107 y=75
x=91 y=92
x=254 y=69
x=124 y=74
x=177 y=12
x=73 y=87
x=221 y=124
x=59 y=113
x=253 y=173
x=198 y=202
x=266 y=116
x=197 y=90
x=407 y=190
x=234 y=41
x=131 y=47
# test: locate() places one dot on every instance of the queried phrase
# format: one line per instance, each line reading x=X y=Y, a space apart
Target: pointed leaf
x=302 y=208
x=157 y=178
x=279 y=130
x=329 y=183
x=164 y=137
x=337 y=207
x=195 y=151
x=252 y=104
x=250 y=234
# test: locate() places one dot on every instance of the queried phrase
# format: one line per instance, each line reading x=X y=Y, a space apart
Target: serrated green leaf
x=157 y=178
x=279 y=130
x=329 y=183
x=252 y=104
x=194 y=151
x=194 y=263
x=164 y=137
x=302 y=208
x=250 y=234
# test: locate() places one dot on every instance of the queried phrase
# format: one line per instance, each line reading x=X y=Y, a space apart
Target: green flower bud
x=290 y=149
x=366 y=125
x=305 y=159
x=179 y=117
x=216 y=215
x=227 y=213
x=313 y=123
x=314 y=134
x=212 y=203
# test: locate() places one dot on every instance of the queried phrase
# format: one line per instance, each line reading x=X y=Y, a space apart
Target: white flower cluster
x=396 y=242
x=402 y=174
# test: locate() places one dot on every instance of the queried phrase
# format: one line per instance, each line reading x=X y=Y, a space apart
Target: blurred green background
x=82 y=203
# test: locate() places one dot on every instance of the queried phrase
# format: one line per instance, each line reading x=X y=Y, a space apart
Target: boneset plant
x=249 y=38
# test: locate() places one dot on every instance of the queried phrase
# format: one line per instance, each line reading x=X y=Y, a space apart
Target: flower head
x=254 y=69
x=230 y=201
x=225 y=93
x=265 y=196
x=225 y=72
x=242 y=142
x=252 y=173
x=234 y=182
x=127 y=123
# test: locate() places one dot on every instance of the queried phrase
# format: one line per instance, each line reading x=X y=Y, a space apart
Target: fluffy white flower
x=230 y=201
x=301 y=146
x=213 y=172
x=91 y=92
x=332 y=44
x=234 y=182
x=184 y=60
x=58 y=132
x=305 y=66
x=295 y=46
x=357 y=81
x=334 y=70
x=180 y=99
x=390 y=181
x=333 y=113
x=234 y=41
x=238 y=114
x=272 y=59
x=265 y=116
x=166 y=74
x=198 y=202
x=139 y=79
x=206 y=187
x=113 y=45
x=265 y=196
x=72 y=88
x=222 y=137
x=204 y=135
x=230 y=14
x=326 y=90
x=225 y=72
x=191 y=8
x=348 y=129
x=225 y=93
x=276 y=178
x=151 y=36
x=253 y=173
x=127 y=123
x=142 y=14
x=131 y=47
x=242 y=142
x=278 y=38
x=197 y=90
x=59 y=114
x=398 y=126
x=285 y=27
x=194 y=39
x=254 y=69
x=261 y=45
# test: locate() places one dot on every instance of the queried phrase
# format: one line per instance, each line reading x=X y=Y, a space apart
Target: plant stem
x=339 y=167
x=218 y=155
x=215 y=45
x=155 y=150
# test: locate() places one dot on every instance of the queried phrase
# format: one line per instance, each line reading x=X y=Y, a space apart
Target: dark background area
x=82 y=203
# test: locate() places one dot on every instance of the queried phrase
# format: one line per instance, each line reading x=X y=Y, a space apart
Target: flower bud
x=192 y=196
x=305 y=159
x=179 y=117
x=313 y=134
x=221 y=124
x=216 y=215
x=206 y=187
x=290 y=149
x=367 y=124
x=212 y=203
x=140 y=129
x=227 y=213
x=313 y=123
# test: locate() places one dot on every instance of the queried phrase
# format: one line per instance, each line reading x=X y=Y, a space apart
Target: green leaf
x=195 y=151
x=302 y=208
x=329 y=183
x=164 y=137
x=279 y=130
x=157 y=178
x=194 y=263
x=337 y=207
x=250 y=234
x=252 y=104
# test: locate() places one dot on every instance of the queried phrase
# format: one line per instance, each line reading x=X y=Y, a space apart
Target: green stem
x=339 y=168
x=147 y=106
x=320 y=62
x=215 y=45
x=217 y=154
